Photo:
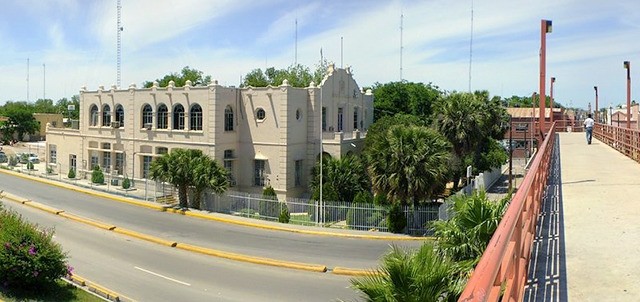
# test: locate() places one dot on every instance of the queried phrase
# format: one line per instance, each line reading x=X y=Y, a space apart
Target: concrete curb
x=146 y=237
x=105 y=226
x=97 y=288
x=251 y=259
x=162 y=208
x=43 y=207
x=343 y=271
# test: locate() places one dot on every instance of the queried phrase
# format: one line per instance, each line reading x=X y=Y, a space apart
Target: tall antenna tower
x=296 y=54
x=27 y=79
x=119 y=50
x=471 y=46
x=401 y=46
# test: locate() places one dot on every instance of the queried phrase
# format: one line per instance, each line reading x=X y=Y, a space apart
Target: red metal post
x=627 y=66
x=553 y=80
x=545 y=27
x=596 y=112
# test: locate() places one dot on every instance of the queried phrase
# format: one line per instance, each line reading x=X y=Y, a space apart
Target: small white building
x=261 y=135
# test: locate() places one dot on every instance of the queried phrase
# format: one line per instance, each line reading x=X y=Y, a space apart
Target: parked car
x=28 y=157
x=3 y=157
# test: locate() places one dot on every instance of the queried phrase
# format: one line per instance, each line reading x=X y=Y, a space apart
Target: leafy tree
x=207 y=174
x=406 y=98
x=44 y=106
x=20 y=120
x=62 y=106
x=410 y=164
x=184 y=168
x=297 y=75
x=408 y=276
x=378 y=130
x=196 y=77
x=347 y=175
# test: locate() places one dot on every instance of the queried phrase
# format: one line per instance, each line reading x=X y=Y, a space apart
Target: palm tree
x=408 y=275
x=208 y=174
x=184 y=168
x=347 y=175
x=465 y=236
x=409 y=164
x=460 y=117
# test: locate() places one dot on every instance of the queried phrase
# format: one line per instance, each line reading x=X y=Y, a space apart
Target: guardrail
x=625 y=140
x=502 y=270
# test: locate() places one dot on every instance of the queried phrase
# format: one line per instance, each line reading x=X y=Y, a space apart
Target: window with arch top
x=178 y=117
x=195 y=117
x=120 y=115
x=163 y=117
x=93 y=115
x=147 y=115
x=228 y=119
x=106 y=115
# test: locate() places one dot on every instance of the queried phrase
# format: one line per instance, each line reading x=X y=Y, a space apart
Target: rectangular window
x=298 y=173
x=53 y=154
x=355 y=118
x=162 y=150
x=106 y=162
x=228 y=153
x=146 y=164
x=119 y=167
x=340 y=113
x=258 y=173
x=324 y=118
x=72 y=162
x=94 y=160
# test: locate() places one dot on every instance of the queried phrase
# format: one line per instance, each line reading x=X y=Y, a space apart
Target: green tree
x=410 y=164
x=347 y=175
x=378 y=130
x=196 y=77
x=97 y=177
x=20 y=119
x=44 y=106
x=408 y=276
x=297 y=75
x=62 y=107
x=405 y=98
x=185 y=168
x=207 y=175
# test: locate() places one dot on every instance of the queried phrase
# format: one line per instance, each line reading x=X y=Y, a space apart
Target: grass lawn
x=61 y=291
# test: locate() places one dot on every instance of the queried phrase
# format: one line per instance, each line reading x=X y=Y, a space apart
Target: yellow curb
x=95 y=288
x=78 y=280
x=353 y=271
x=257 y=260
x=43 y=207
x=145 y=237
x=14 y=197
x=106 y=226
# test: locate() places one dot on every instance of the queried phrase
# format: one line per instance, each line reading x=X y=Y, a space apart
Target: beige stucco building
x=262 y=136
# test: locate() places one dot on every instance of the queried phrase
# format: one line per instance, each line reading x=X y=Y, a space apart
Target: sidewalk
x=600 y=190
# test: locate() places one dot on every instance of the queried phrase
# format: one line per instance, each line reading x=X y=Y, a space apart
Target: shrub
x=72 y=173
x=396 y=220
x=29 y=165
x=363 y=197
x=269 y=207
x=126 y=183
x=49 y=170
x=13 y=161
x=97 y=177
x=284 y=214
x=29 y=259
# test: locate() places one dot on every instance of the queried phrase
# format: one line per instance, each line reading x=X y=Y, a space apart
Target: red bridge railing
x=626 y=141
x=502 y=270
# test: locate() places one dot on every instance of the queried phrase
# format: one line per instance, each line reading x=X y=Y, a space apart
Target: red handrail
x=625 y=140
x=502 y=270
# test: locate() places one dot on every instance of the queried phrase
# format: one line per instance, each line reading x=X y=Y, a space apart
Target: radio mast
x=119 y=46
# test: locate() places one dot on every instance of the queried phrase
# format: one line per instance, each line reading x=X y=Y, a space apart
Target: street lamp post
x=545 y=27
x=596 y=111
x=627 y=66
x=553 y=80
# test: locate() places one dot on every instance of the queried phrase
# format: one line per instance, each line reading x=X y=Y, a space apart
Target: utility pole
x=27 y=79
x=44 y=81
x=401 y=47
x=119 y=45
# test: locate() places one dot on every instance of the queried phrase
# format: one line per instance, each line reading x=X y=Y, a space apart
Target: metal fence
x=347 y=215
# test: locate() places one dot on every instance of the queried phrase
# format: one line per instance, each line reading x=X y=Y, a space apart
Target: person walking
x=588 y=128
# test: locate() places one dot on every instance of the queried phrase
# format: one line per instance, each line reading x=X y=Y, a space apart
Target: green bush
x=126 y=183
x=29 y=259
x=97 y=177
x=72 y=173
x=284 y=214
x=29 y=165
x=380 y=200
x=269 y=207
x=49 y=170
x=13 y=161
x=363 y=197
x=396 y=221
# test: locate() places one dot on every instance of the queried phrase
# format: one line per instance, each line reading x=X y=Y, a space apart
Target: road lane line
x=161 y=276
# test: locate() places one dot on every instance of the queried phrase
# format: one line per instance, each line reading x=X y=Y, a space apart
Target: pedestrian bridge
x=572 y=231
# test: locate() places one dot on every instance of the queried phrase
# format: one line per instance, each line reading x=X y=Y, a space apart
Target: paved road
x=329 y=251
x=132 y=267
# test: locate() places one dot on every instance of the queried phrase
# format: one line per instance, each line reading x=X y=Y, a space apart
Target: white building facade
x=262 y=136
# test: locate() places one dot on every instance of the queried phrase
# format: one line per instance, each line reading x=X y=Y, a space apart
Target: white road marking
x=161 y=276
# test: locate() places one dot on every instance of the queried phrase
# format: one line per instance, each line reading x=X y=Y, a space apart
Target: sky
x=62 y=45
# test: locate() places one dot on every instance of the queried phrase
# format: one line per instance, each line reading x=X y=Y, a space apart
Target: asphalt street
x=145 y=271
x=329 y=251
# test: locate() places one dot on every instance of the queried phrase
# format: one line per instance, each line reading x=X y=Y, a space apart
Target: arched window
x=93 y=115
x=106 y=115
x=178 y=117
x=228 y=119
x=163 y=117
x=147 y=116
x=120 y=115
x=195 y=117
